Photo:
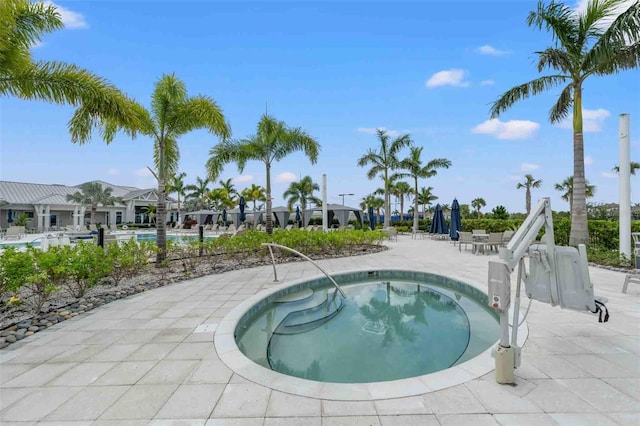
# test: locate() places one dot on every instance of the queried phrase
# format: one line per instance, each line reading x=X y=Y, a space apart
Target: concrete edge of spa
x=232 y=357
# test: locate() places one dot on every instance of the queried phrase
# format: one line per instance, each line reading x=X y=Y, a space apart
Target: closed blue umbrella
x=224 y=217
x=10 y=216
x=438 y=224
x=243 y=216
x=456 y=220
x=298 y=217
x=372 y=223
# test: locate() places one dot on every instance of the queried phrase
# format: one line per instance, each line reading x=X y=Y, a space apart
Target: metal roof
x=38 y=193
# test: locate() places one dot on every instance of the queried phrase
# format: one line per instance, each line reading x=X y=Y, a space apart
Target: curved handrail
x=304 y=257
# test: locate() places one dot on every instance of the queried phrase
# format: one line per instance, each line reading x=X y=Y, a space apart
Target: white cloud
x=490 y=50
x=113 y=172
x=374 y=131
x=143 y=172
x=70 y=19
x=243 y=178
x=286 y=177
x=528 y=167
x=487 y=83
x=452 y=77
x=512 y=129
x=609 y=175
x=592 y=120
x=588 y=160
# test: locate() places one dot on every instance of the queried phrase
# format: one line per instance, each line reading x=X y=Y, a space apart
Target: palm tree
x=401 y=190
x=254 y=194
x=150 y=211
x=529 y=182
x=173 y=114
x=22 y=24
x=633 y=168
x=176 y=184
x=372 y=201
x=92 y=194
x=273 y=141
x=478 y=203
x=566 y=187
x=301 y=193
x=425 y=198
x=384 y=161
x=199 y=191
x=582 y=47
x=229 y=187
x=413 y=165
x=219 y=198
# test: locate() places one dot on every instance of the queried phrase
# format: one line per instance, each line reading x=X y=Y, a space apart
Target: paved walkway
x=141 y=361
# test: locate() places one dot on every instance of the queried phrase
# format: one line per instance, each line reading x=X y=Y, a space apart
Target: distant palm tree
x=372 y=201
x=273 y=141
x=172 y=114
x=93 y=194
x=254 y=193
x=219 y=198
x=22 y=24
x=634 y=167
x=199 y=191
x=301 y=193
x=150 y=211
x=478 y=203
x=384 y=161
x=426 y=197
x=583 y=46
x=176 y=184
x=414 y=169
x=401 y=190
x=529 y=182
x=566 y=187
x=229 y=187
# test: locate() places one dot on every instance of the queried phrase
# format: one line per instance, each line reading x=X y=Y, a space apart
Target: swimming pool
x=391 y=327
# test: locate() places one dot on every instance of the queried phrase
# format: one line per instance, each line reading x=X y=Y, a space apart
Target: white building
x=48 y=208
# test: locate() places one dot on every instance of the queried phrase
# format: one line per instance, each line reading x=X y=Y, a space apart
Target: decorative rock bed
x=18 y=322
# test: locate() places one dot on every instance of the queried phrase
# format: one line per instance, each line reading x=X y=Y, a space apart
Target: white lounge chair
x=14 y=233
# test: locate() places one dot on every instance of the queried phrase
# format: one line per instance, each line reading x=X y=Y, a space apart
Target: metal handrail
x=270 y=245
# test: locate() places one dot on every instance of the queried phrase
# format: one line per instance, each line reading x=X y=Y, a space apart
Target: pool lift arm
x=558 y=275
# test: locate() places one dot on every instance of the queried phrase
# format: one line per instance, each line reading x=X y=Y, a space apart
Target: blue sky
x=339 y=70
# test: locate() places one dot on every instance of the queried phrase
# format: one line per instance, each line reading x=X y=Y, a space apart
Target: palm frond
x=612 y=45
x=559 y=20
x=556 y=59
x=167 y=165
x=594 y=13
x=23 y=22
x=560 y=110
x=197 y=113
x=169 y=92
x=524 y=91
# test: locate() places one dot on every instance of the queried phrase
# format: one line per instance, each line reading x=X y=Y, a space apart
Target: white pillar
x=325 y=211
x=47 y=217
x=625 y=186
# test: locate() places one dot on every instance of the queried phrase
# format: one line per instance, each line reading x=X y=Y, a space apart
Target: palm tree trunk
x=94 y=210
x=268 y=190
x=178 y=214
x=387 y=199
x=528 y=200
x=579 y=229
x=402 y=207
x=161 y=209
x=415 y=207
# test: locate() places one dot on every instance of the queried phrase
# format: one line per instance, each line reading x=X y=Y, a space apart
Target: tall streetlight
x=342 y=195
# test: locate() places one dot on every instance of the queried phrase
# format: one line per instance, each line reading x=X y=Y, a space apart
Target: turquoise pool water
x=385 y=329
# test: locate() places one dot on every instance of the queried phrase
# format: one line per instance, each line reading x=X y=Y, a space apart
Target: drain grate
x=205 y=328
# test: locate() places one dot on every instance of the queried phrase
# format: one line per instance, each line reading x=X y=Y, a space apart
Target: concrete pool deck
x=149 y=359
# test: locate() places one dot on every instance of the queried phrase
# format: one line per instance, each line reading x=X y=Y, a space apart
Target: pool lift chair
x=557 y=275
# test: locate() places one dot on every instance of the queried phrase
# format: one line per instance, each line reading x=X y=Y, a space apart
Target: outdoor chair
x=92 y=227
x=506 y=237
x=464 y=238
x=478 y=231
x=14 y=233
x=392 y=231
x=630 y=279
x=495 y=240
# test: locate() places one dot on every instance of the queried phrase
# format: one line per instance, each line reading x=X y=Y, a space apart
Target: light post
x=342 y=195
